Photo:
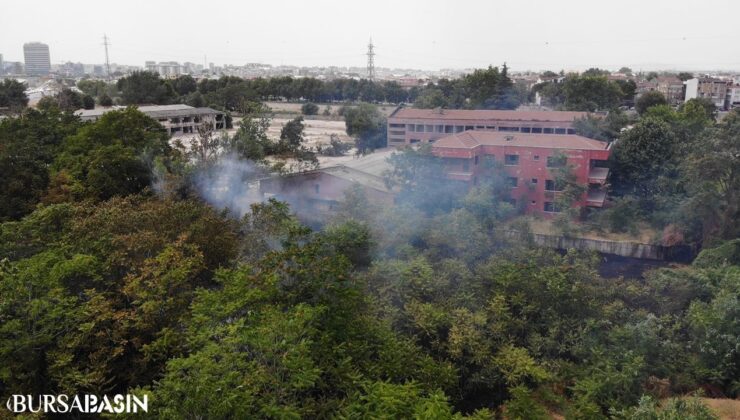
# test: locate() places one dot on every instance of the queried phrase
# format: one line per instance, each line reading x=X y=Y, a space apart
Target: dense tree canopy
x=118 y=276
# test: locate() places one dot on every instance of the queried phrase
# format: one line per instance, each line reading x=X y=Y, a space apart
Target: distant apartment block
x=732 y=100
x=176 y=119
x=708 y=87
x=411 y=125
x=37 y=59
x=530 y=162
x=672 y=88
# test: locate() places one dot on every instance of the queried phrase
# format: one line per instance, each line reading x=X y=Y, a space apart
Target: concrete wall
x=625 y=249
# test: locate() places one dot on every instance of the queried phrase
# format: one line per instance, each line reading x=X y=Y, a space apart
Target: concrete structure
x=530 y=161
x=733 y=97
x=707 y=87
x=37 y=59
x=315 y=193
x=672 y=88
x=176 y=119
x=411 y=125
x=164 y=68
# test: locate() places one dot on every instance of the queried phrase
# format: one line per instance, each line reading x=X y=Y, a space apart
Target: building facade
x=410 y=125
x=672 y=88
x=708 y=87
x=37 y=59
x=176 y=119
x=733 y=97
x=317 y=193
x=531 y=163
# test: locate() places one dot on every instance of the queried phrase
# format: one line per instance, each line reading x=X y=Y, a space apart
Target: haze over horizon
x=527 y=35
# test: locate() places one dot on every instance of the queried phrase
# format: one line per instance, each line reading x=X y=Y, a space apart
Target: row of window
x=450 y=129
x=550 y=185
x=552 y=161
x=513 y=160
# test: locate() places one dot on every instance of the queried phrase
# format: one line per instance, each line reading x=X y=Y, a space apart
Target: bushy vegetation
x=117 y=276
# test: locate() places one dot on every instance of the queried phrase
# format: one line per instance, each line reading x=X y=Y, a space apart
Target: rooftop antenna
x=107 y=62
x=370 y=60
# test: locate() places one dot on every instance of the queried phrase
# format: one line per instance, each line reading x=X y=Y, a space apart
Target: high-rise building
x=37 y=59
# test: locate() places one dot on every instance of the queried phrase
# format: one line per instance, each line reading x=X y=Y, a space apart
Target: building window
x=440 y=129
x=536 y=157
x=449 y=129
x=526 y=130
x=556 y=161
x=571 y=131
x=559 y=131
x=512 y=181
x=480 y=127
x=415 y=140
x=551 y=185
x=459 y=129
x=534 y=180
x=411 y=128
x=536 y=130
x=534 y=202
x=476 y=160
x=469 y=127
x=419 y=128
x=547 y=130
x=429 y=128
x=511 y=160
x=550 y=207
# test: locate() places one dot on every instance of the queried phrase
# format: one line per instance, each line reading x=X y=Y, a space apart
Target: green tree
x=641 y=155
x=28 y=145
x=88 y=102
x=649 y=99
x=309 y=108
x=143 y=87
x=367 y=125
x=12 y=96
x=105 y=100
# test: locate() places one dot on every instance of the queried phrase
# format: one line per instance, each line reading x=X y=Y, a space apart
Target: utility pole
x=370 y=60
x=107 y=62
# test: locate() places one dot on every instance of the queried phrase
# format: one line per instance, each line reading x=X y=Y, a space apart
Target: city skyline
x=291 y=33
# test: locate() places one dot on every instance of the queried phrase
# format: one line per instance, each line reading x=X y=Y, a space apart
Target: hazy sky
x=424 y=34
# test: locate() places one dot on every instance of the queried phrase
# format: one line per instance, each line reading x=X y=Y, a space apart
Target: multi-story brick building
x=672 y=88
x=709 y=88
x=412 y=125
x=530 y=161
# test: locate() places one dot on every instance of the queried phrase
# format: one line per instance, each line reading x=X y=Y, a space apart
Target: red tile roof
x=485 y=114
x=472 y=139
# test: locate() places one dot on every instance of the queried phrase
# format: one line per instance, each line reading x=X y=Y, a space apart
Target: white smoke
x=230 y=183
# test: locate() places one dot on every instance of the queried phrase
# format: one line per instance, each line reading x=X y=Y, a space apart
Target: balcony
x=595 y=198
x=597 y=175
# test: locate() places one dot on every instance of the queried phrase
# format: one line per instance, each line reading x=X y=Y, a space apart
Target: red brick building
x=530 y=161
x=412 y=125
